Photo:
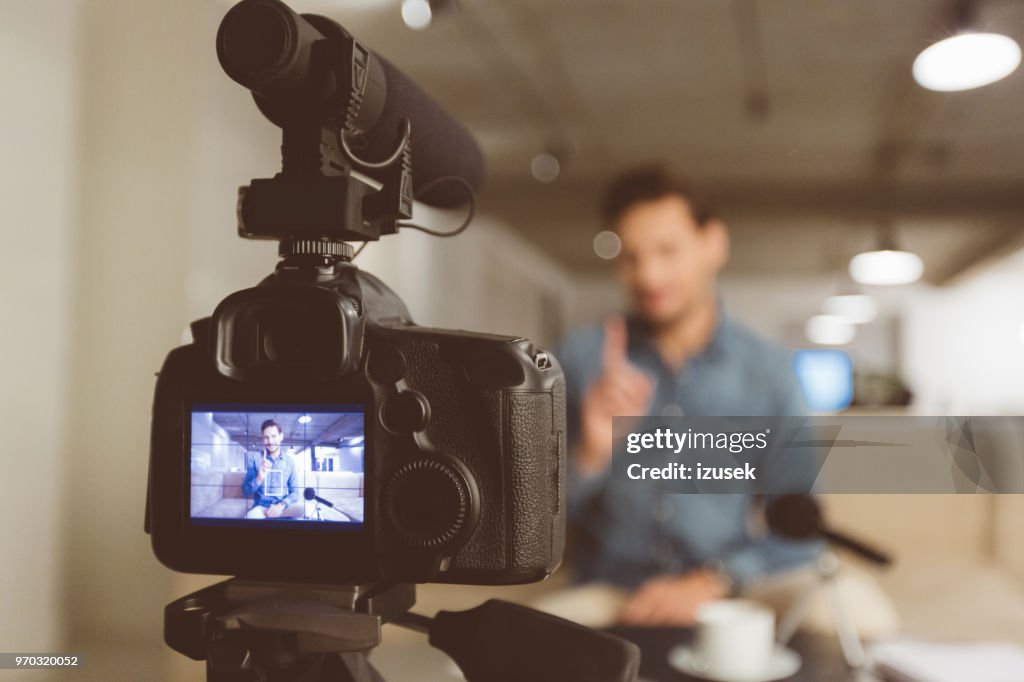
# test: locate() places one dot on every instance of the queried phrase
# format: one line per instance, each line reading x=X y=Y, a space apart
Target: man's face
x=668 y=262
x=272 y=438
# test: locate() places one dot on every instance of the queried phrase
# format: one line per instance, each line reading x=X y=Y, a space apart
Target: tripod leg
x=795 y=615
x=347 y=667
x=354 y=667
x=849 y=640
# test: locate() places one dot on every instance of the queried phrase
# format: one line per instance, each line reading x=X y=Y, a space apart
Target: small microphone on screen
x=311 y=495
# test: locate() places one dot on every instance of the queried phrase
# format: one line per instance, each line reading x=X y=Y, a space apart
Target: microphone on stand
x=799 y=517
x=310 y=494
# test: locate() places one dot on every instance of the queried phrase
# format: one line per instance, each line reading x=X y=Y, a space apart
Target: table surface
x=822 y=657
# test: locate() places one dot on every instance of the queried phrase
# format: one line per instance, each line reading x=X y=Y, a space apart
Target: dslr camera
x=311 y=432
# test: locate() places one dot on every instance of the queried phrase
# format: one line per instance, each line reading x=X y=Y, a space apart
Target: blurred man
x=676 y=353
x=271 y=501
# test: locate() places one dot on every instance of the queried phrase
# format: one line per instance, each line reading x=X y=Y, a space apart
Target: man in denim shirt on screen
x=277 y=470
x=677 y=353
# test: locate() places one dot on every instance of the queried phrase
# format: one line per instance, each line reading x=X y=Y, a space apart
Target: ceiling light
x=886 y=267
x=830 y=330
x=966 y=60
x=417 y=14
x=545 y=167
x=305 y=419
x=607 y=244
x=854 y=308
x=886 y=264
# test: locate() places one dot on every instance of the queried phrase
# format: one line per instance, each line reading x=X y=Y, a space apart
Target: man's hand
x=274 y=510
x=622 y=390
x=264 y=468
x=672 y=599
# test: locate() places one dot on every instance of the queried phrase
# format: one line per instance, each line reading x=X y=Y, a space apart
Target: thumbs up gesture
x=622 y=390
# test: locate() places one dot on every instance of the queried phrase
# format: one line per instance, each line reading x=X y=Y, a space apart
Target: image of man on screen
x=272 y=480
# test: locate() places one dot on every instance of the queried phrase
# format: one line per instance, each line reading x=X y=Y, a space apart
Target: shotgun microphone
x=289 y=62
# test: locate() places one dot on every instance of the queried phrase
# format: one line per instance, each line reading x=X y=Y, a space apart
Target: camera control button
x=406 y=412
x=386 y=364
x=427 y=503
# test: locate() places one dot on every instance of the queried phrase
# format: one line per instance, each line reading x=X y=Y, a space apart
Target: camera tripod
x=276 y=632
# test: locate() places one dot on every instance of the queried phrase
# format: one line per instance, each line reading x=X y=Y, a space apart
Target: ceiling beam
x=529 y=203
x=992 y=245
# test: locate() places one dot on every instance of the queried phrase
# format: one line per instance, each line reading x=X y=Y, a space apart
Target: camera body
x=311 y=431
x=462 y=440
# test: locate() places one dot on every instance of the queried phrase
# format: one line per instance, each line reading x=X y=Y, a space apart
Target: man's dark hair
x=649 y=183
x=270 y=422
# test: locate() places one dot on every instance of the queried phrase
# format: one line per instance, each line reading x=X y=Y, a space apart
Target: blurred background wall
x=39 y=118
x=124 y=144
x=124 y=148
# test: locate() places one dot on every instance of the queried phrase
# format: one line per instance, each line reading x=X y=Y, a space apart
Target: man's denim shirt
x=284 y=463
x=624 y=533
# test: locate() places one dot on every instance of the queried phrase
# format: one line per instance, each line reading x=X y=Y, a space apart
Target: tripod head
x=249 y=631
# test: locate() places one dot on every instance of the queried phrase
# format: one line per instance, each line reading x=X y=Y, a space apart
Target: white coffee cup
x=734 y=640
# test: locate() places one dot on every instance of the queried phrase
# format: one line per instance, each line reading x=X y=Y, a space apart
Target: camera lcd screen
x=278 y=465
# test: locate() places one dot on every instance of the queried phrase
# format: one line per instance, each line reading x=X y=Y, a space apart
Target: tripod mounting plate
x=290 y=620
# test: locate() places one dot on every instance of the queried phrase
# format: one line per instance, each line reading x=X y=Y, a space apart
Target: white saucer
x=784 y=662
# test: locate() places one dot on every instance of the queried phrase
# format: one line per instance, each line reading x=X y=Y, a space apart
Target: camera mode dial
x=427 y=502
